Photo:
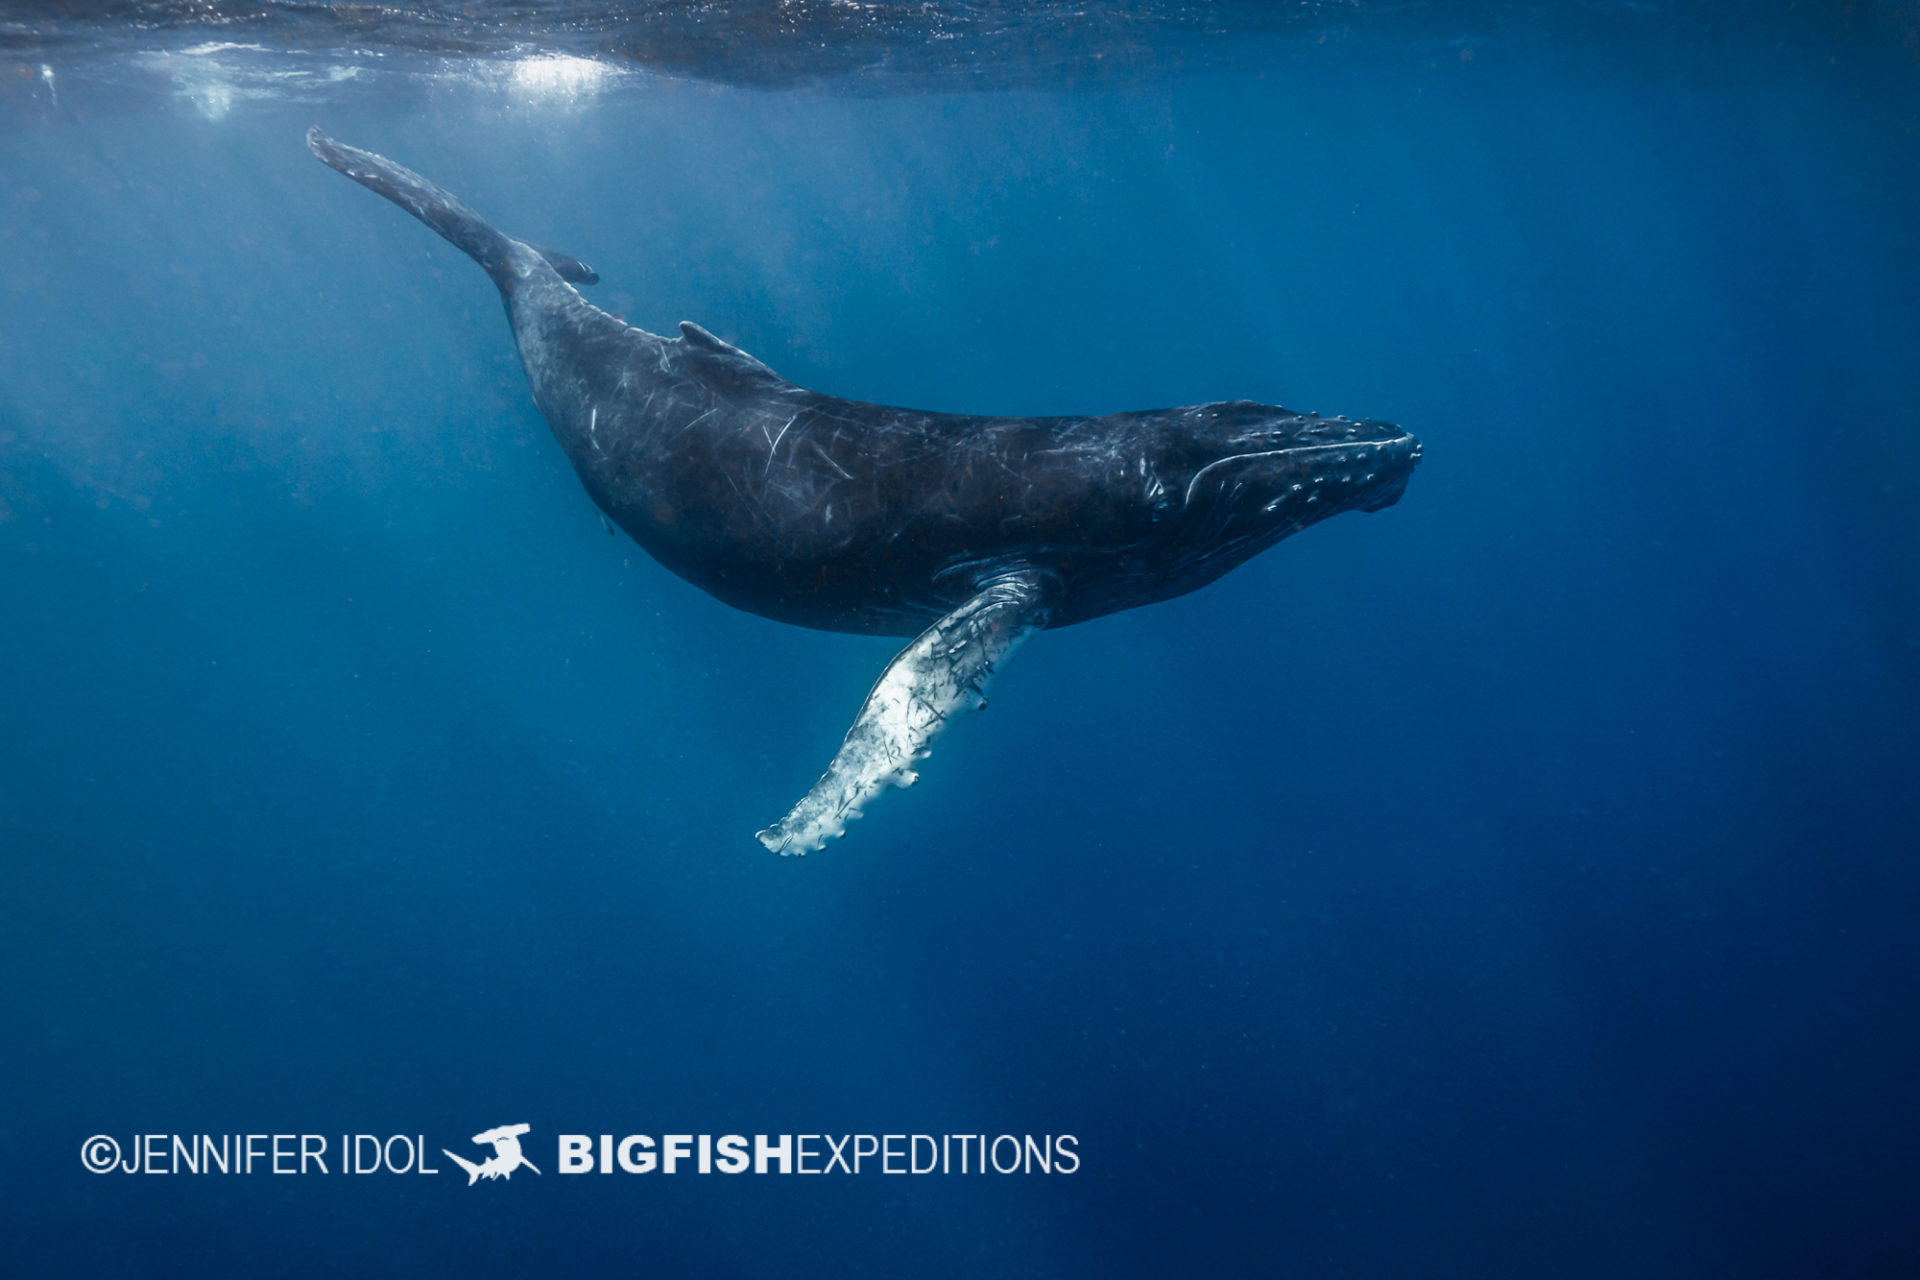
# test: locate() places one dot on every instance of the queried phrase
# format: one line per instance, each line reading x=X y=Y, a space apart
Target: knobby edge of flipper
x=944 y=672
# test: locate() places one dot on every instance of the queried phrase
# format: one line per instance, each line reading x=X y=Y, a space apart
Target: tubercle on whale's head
x=1254 y=474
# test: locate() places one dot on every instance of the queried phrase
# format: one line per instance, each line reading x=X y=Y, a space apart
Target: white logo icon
x=506 y=1156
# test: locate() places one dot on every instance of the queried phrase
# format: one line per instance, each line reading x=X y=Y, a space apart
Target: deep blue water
x=1519 y=881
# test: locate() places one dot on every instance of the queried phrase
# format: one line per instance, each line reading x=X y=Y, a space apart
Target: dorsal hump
x=707 y=344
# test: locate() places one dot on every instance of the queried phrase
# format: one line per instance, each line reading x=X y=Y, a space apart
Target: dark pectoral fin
x=571 y=269
x=941 y=674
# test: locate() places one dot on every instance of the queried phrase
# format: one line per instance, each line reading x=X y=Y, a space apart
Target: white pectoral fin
x=941 y=674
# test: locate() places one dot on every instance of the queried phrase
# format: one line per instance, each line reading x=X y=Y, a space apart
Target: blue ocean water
x=1518 y=881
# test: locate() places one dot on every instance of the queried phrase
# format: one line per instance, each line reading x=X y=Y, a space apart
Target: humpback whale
x=967 y=533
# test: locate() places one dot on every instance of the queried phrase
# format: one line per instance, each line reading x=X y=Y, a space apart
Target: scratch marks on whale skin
x=696 y=422
x=828 y=459
x=774 y=447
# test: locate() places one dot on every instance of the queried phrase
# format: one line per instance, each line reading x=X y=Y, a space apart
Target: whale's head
x=1191 y=493
x=1255 y=466
x=1250 y=475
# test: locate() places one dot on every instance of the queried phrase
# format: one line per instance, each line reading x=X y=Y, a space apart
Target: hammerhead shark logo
x=506 y=1156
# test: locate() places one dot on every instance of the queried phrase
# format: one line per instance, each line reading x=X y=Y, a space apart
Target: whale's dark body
x=967 y=532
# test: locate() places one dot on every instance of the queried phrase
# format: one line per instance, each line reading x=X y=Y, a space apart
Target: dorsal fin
x=694 y=336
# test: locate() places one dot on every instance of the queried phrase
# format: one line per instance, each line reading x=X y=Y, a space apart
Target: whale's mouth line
x=1268 y=453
